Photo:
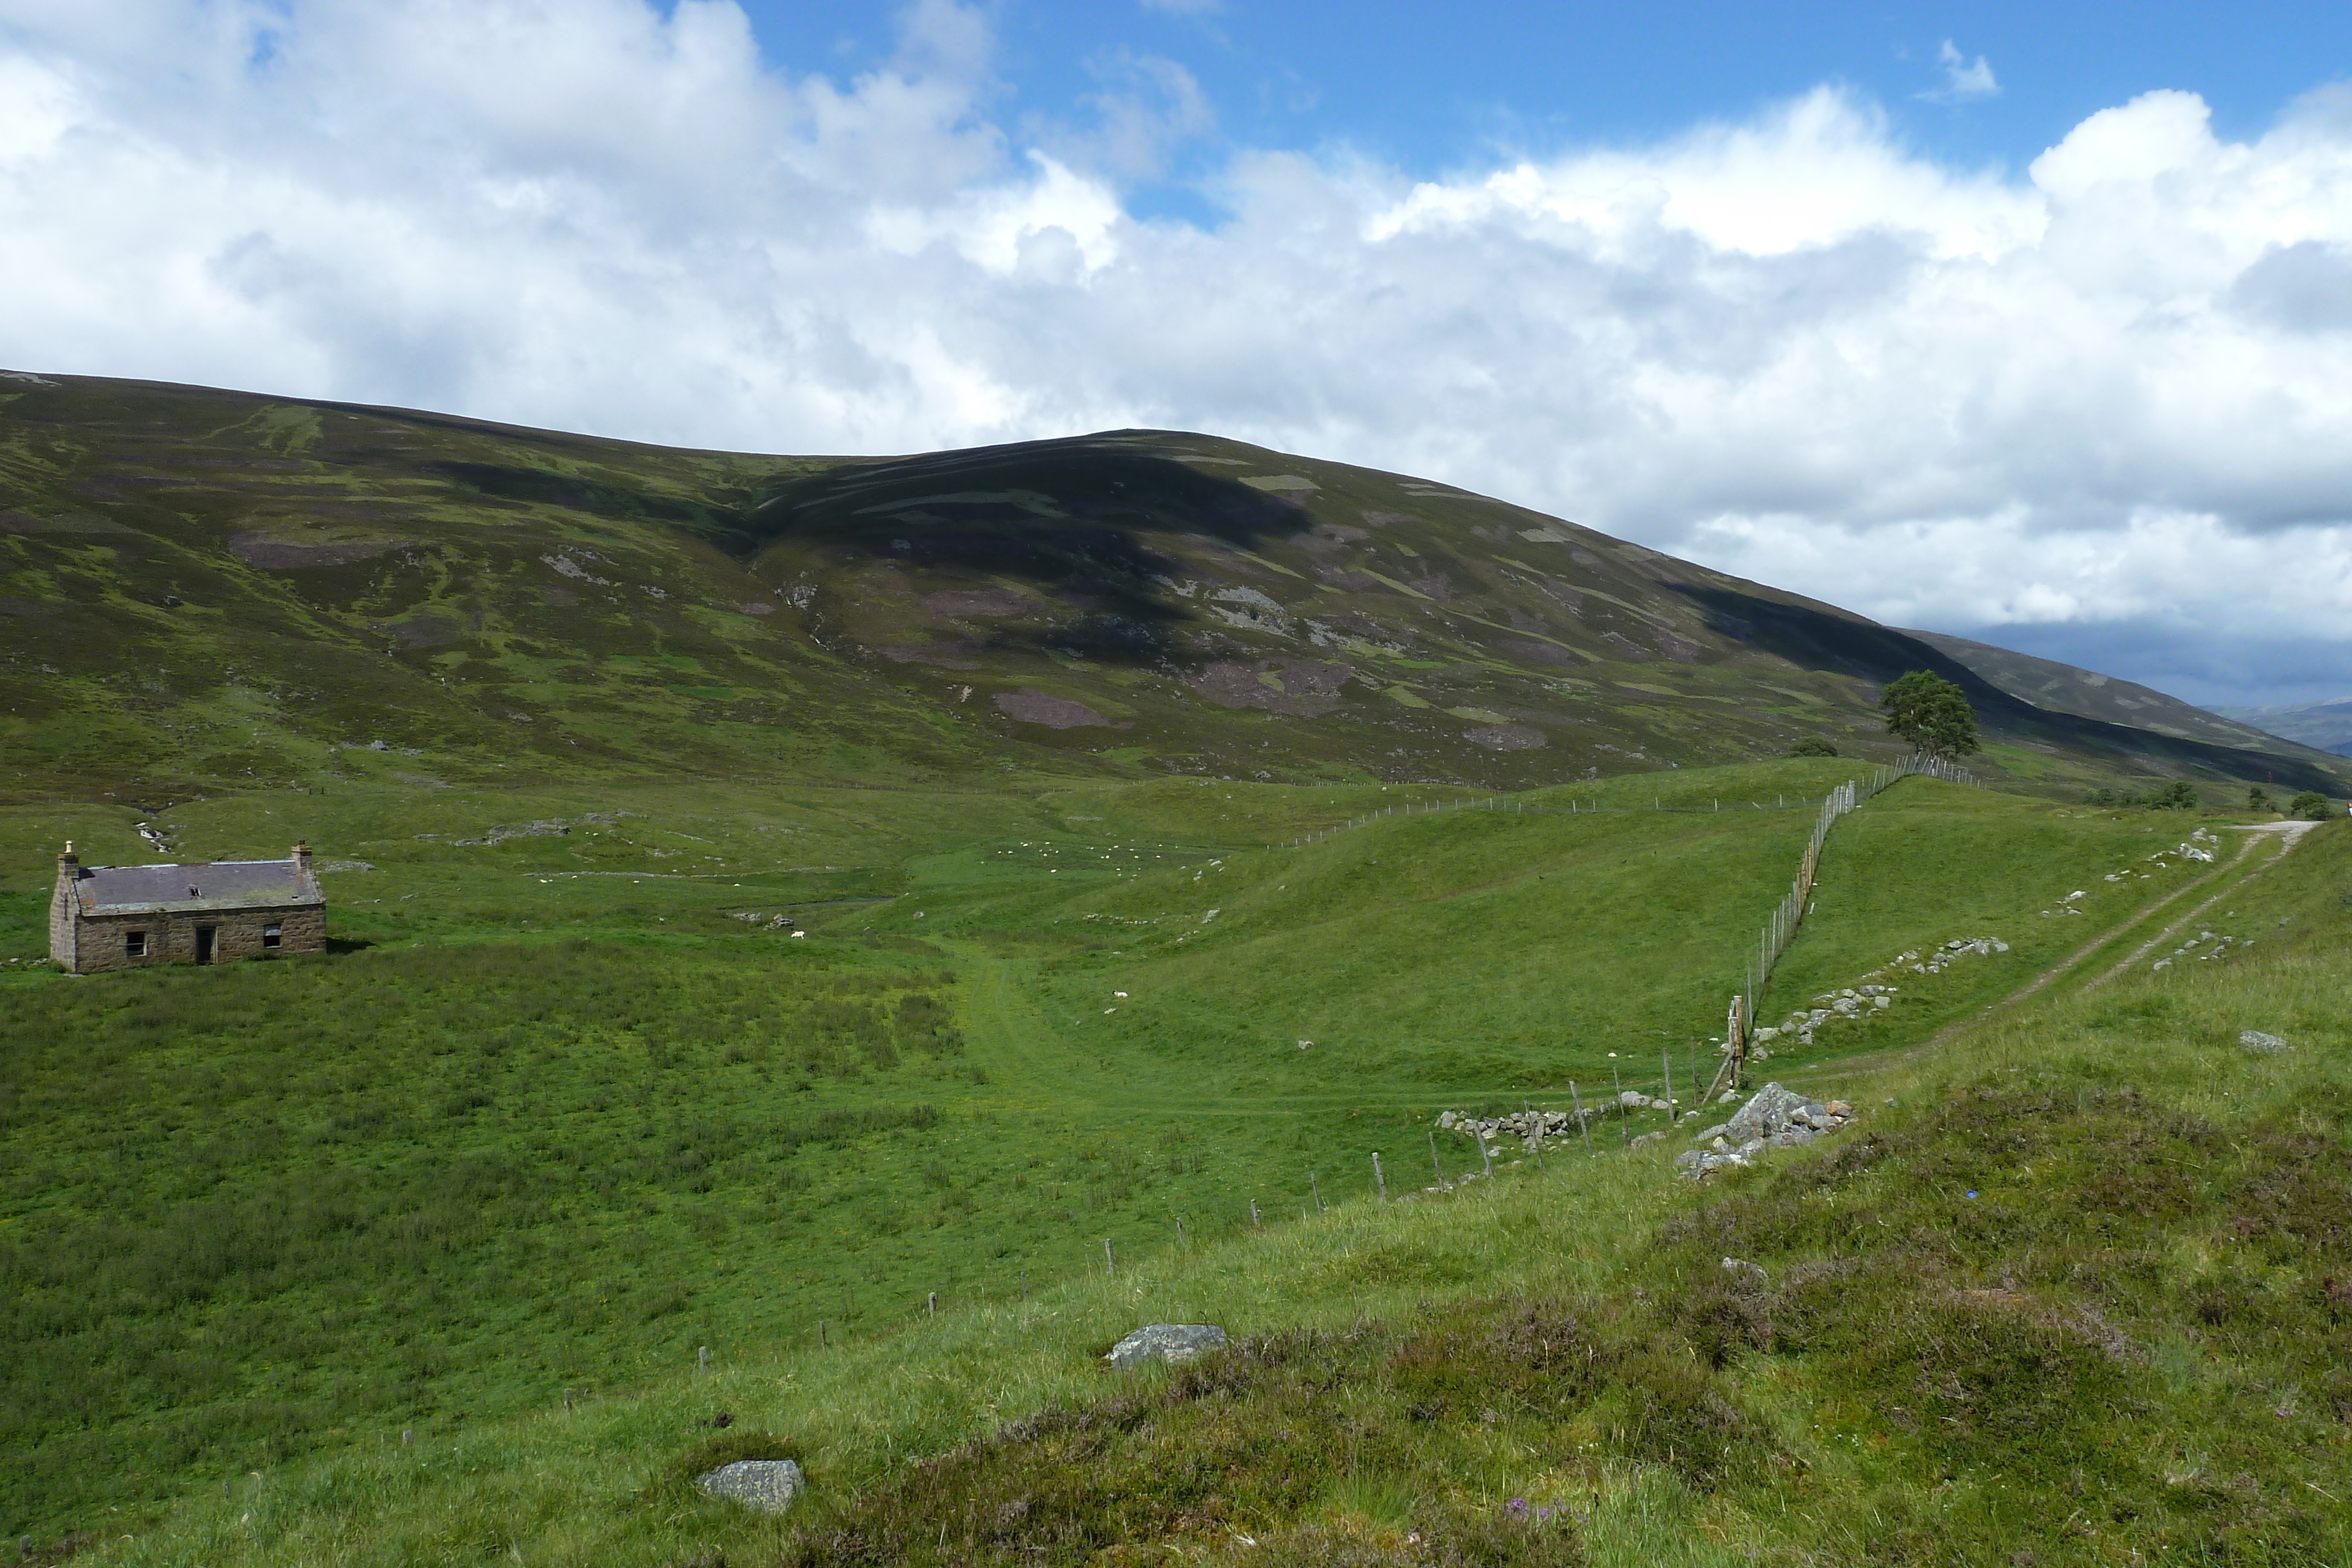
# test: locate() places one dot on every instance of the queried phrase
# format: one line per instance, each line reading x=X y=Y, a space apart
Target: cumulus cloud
x=2110 y=393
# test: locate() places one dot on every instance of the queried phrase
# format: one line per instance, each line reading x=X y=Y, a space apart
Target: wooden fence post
x=1377 y=1179
x=1578 y=1101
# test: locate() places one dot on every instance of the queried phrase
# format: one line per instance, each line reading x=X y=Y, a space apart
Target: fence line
x=1933 y=767
x=1526 y=808
x=1780 y=927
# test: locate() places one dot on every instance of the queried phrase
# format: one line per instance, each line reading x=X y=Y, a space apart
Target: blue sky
x=2031 y=323
x=1437 y=89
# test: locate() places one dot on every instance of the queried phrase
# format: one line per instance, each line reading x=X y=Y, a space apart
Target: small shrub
x=2258 y=799
x=1814 y=746
x=2311 y=806
x=2177 y=796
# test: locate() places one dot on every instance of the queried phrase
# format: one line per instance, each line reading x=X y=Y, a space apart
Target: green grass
x=555 y=1113
x=2075 y=1295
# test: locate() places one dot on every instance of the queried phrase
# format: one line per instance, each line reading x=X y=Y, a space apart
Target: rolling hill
x=2066 y=688
x=208 y=589
x=2324 y=727
x=893 y=924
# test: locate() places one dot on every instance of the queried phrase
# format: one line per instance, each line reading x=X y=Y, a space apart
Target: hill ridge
x=271 y=579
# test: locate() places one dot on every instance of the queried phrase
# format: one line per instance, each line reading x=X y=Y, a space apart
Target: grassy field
x=2072 y=1290
x=571 y=1100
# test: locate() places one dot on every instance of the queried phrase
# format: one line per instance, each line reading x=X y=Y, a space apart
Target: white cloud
x=2114 y=394
x=1964 y=79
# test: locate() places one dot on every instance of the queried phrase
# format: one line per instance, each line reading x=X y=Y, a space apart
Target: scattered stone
x=1774 y=1118
x=1528 y=1125
x=768 y=1486
x=2255 y=1040
x=1174 y=1343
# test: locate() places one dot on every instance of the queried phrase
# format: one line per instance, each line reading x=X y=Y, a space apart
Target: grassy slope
x=2072 y=1292
x=203 y=590
x=565 y=1118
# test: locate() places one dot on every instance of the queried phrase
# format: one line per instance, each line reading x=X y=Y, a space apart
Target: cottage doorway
x=204 y=943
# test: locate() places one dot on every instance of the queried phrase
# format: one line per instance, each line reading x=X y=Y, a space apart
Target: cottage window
x=269 y=936
x=134 y=943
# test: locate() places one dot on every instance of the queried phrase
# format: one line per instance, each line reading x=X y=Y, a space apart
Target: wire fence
x=1780 y=927
x=1534 y=809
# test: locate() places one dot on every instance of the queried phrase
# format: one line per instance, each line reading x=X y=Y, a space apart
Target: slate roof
x=204 y=884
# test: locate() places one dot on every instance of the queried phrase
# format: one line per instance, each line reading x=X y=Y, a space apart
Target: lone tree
x=1930 y=713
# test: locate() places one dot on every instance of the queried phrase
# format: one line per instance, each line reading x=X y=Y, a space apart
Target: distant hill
x=211 y=588
x=2326 y=727
x=2064 y=689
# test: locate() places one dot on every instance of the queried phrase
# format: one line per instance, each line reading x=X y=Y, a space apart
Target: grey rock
x=2255 y=1040
x=767 y=1485
x=1174 y=1343
x=1767 y=1112
x=1715 y=1132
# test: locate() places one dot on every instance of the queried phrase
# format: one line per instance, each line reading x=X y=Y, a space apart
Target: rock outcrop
x=1774 y=1118
x=768 y=1486
x=1174 y=1343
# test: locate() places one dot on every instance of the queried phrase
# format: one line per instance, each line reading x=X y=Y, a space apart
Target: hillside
x=2324 y=727
x=2064 y=689
x=2068 y=1292
x=570 y=1100
x=208 y=589
x=822 y=911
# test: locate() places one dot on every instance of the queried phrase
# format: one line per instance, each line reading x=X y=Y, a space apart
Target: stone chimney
x=302 y=855
x=65 y=912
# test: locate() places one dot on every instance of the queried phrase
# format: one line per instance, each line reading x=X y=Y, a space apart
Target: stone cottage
x=123 y=916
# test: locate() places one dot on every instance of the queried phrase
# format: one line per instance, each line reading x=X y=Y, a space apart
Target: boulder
x=2255 y=1040
x=1174 y=1343
x=768 y=1486
x=1766 y=1113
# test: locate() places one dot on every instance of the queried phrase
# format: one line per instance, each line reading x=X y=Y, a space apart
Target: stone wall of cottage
x=96 y=942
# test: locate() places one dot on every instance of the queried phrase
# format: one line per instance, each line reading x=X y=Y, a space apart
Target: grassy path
x=1878 y=1063
x=2288 y=833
